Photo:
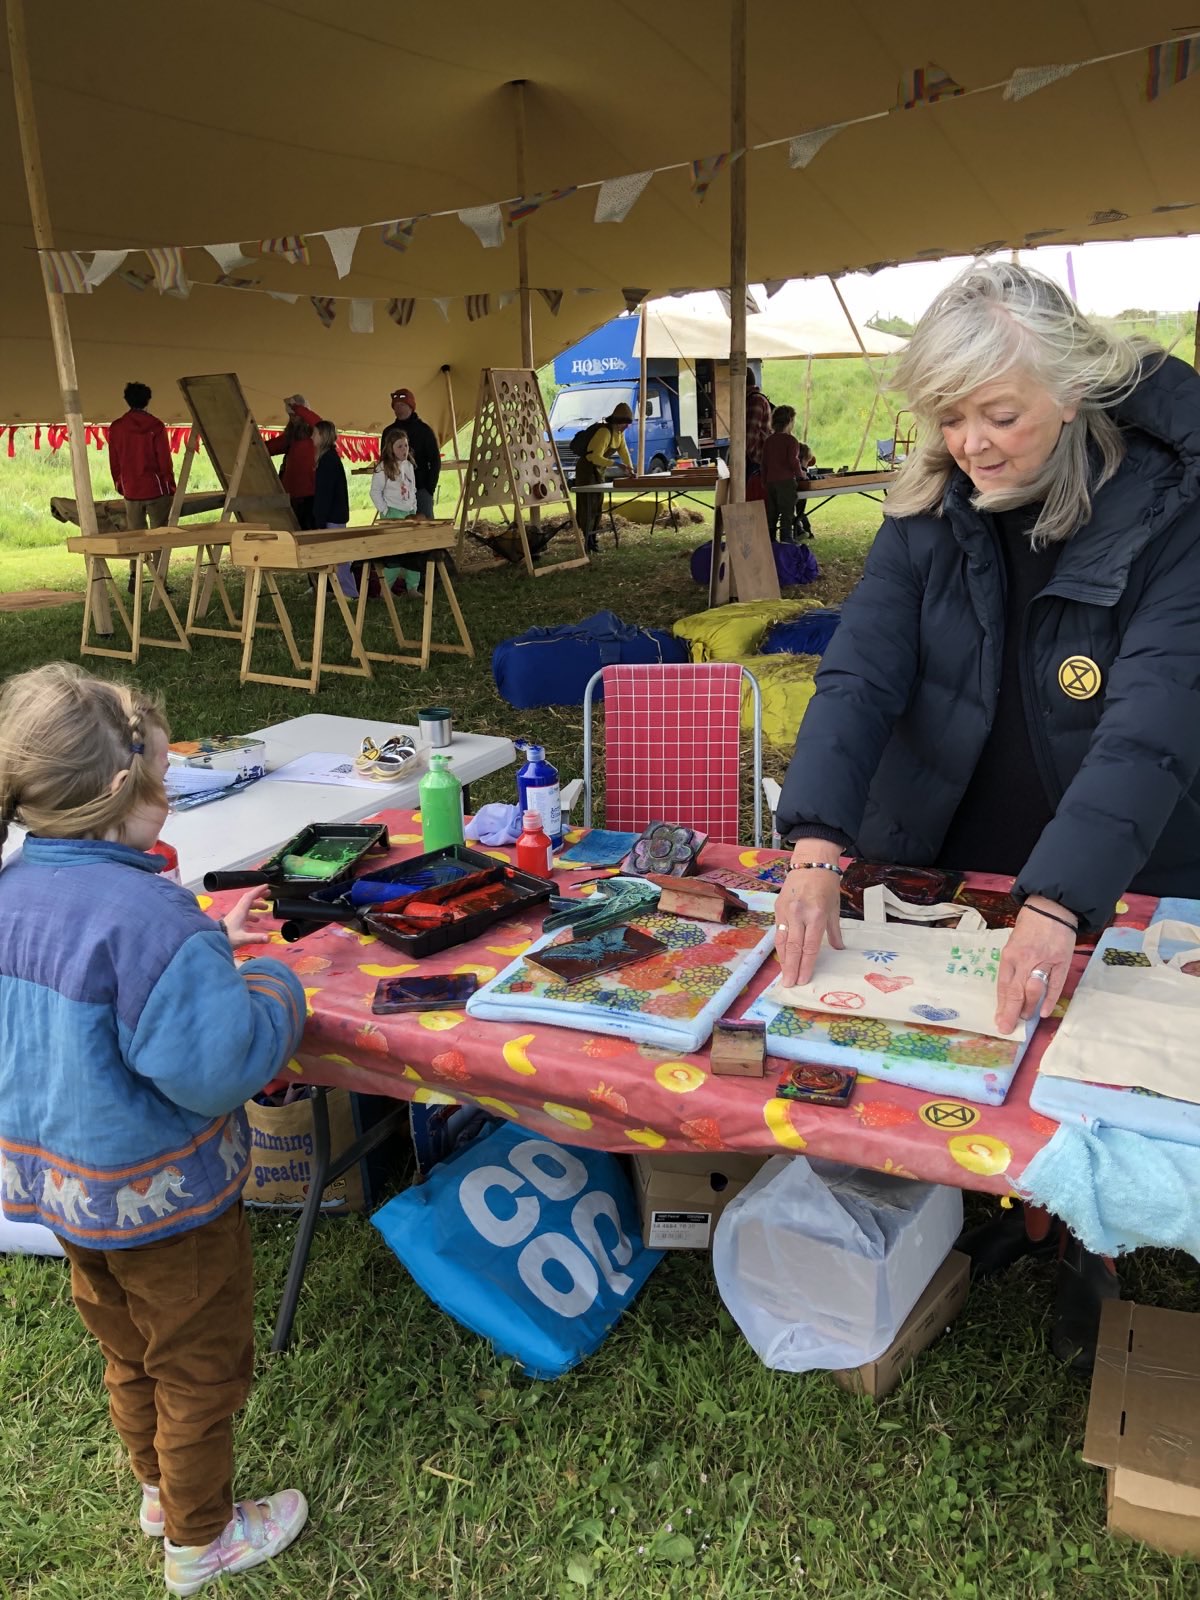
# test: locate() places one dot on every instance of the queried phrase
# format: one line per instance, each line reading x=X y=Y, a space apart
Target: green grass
x=671 y=1466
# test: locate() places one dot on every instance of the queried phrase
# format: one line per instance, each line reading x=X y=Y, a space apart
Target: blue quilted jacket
x=129 y=1042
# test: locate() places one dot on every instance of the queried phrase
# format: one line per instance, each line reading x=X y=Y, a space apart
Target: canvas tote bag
x=919 y=975
x=1135 y=1027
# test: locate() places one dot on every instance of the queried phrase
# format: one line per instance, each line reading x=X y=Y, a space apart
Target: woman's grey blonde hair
x=998 y=317
x=64 y=737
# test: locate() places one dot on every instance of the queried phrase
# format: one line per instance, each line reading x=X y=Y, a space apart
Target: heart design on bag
x=886 y=983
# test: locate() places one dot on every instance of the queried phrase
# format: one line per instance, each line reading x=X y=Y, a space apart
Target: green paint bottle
x=441 y=805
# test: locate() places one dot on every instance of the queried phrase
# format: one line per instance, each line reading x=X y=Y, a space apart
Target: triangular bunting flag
x=401 y=311
x=925 y=86
x=399 y=234
x=725 y=296
x=167 y=261
x=1028 y=80
x=584 y=291
x=703 y=171
x=505 y=298
x=104 y=264
x=805 y=146
x=135 y=279
x=442 y=302
x=64 y=272
x=527 y=204
x=231 y=280
x=633 y=298
x=229 y=257
x=618 y=196
x=1100 y=219
x=773 y=286
x=477 y=305
x=362 y=316
x=279 y=294
x=486 y=223
x=325 y=307
x=341 y=242
x=1169 y=64
x=553 y=298
x=291 y=246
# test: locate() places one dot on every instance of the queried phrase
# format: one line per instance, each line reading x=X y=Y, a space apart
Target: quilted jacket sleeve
x=863 y=686
x=1144 y=754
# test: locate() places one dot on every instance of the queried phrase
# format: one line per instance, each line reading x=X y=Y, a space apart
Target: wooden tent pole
x=60 y=329
x=641 y=450
x=526 y=303
x=454 y=437
x=737 y=251
x=880 y=391
x=807 y=396
x=1196 y=352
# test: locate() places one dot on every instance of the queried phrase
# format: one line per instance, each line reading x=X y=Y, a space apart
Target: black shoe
x=996 y=1245
x=593 y=547
x=1084 y=1283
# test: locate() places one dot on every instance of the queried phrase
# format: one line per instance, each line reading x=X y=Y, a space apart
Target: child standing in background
x=129 y=1042
x=394 y=496
x=331 y=497
x=783 y=471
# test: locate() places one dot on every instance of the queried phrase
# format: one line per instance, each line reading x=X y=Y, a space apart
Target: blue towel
x=1117 y=1190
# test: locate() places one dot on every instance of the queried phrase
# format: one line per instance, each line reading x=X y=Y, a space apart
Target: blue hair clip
x=137 y=749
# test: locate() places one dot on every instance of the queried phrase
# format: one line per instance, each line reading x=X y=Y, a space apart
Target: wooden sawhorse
x=263 y=553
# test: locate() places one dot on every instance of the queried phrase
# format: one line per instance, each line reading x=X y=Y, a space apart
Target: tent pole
x=526 y=303
x=737 y=251
x=454 y=433
x=880 y=391
x=807 y=396
x=60 y=329
x=1196 y=352
x=641 y=451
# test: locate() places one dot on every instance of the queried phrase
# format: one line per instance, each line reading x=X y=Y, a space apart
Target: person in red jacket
x=298 y=472
x=139 y=459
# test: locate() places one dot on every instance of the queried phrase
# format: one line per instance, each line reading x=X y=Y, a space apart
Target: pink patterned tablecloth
x=616 y=1095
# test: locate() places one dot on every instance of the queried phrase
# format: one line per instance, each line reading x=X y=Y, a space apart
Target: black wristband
x=1051 y=916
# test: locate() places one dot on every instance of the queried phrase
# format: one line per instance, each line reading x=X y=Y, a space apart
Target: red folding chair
x=672 y=747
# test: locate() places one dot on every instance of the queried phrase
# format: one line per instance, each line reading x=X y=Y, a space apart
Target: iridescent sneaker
x=151 y=1517
x=258 y=1530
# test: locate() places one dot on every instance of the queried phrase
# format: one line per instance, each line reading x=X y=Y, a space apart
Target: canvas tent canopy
x=245 y=120
x=697 y=328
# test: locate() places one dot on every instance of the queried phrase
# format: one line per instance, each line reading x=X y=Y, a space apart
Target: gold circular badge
x=1079 y=678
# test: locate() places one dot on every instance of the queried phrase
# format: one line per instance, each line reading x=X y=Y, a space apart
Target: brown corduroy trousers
x=175 y=1321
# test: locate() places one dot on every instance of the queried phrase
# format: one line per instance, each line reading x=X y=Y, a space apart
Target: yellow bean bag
x=786 y=685
x=734 y=632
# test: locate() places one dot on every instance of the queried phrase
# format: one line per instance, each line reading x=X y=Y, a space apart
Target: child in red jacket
x=139 y=459
x=784 y=463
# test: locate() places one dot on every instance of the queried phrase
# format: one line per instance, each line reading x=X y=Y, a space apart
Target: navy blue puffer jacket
x=907 y=691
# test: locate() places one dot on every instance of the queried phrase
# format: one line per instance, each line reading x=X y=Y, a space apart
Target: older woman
x=1015 y=685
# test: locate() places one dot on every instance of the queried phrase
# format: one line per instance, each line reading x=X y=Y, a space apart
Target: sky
x=1151 y=274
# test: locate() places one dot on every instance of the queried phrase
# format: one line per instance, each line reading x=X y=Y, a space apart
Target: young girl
x=331 y=502
x=129 y=1041
x=394 y=495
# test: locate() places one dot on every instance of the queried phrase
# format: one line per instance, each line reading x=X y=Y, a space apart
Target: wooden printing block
x=696 y=897
x=739 y=1049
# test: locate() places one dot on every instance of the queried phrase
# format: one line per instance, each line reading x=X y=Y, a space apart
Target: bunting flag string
x=280 y=294
x=506 y=297
x=553 y=298
x=525 y=205
x=442 y=302
x=401 y=311
x=362 y=316
x=618 y=196
x=341 y=242
x=167 y=261
x=633 y=298
x=104 y=264
x=478 y=305
x=1169 y=64
x=137 y=280
x=354 y=446
x=486 y=223
x=772 y=286
x=805 y=146
x=399 y=234
x=703 y=172
x=64 y=272
x=326 y=308
x=926 y=86
x=1028 y=80
x=293 y=247
x=231 y=280
x=229 y=257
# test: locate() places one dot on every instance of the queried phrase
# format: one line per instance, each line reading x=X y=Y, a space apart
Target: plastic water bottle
x=538 y=790
x=440 y=795
x=535 y=853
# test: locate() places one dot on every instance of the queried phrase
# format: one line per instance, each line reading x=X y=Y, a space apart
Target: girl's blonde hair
x=64 y=737
x=389 y=463
x=998 y=317
x=325 y=435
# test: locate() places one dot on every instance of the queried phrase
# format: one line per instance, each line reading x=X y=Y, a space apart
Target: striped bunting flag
x=703 y=171
x=291 y=246
x=167 y=261
x=478 y=305
x=399 y=234
x=401 y=311
x=925 y=86
x=64 y=272
x=1169 y=64
x=325 y=307
x=527 y=204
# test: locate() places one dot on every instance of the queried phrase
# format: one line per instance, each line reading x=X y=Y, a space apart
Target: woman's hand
x=1035 y=964
x=235 y=919
x=807 y=912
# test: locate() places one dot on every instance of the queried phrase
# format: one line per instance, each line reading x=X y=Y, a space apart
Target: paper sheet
x=323 y=767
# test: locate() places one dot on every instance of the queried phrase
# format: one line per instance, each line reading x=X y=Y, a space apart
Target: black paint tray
x=367 y=837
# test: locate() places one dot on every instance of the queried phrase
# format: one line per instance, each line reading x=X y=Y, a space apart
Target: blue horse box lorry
x=687 y=402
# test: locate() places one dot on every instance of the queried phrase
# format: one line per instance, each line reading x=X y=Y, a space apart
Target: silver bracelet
x=815 y=866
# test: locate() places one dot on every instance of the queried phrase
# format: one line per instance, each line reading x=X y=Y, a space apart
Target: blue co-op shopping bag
x=534 y=1247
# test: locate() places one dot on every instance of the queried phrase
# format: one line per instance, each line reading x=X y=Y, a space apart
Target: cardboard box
x=1144 y=1424
x=680 y=1197
x=937 y=1308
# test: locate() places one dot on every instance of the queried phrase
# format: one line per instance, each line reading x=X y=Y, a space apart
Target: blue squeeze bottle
x=538 y=790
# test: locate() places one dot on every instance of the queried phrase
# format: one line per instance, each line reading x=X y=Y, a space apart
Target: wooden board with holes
x=751 y=553
x=110 y=514
x=236 y=449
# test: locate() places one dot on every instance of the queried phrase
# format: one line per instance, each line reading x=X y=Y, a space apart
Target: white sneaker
x=258 y=1530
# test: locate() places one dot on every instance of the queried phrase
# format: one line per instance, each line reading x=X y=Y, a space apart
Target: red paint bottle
x=535 y=853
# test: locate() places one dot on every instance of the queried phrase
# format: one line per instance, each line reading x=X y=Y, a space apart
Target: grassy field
x=671 y=1466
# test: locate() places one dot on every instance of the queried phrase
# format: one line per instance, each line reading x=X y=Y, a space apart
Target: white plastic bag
x=819 y=1264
